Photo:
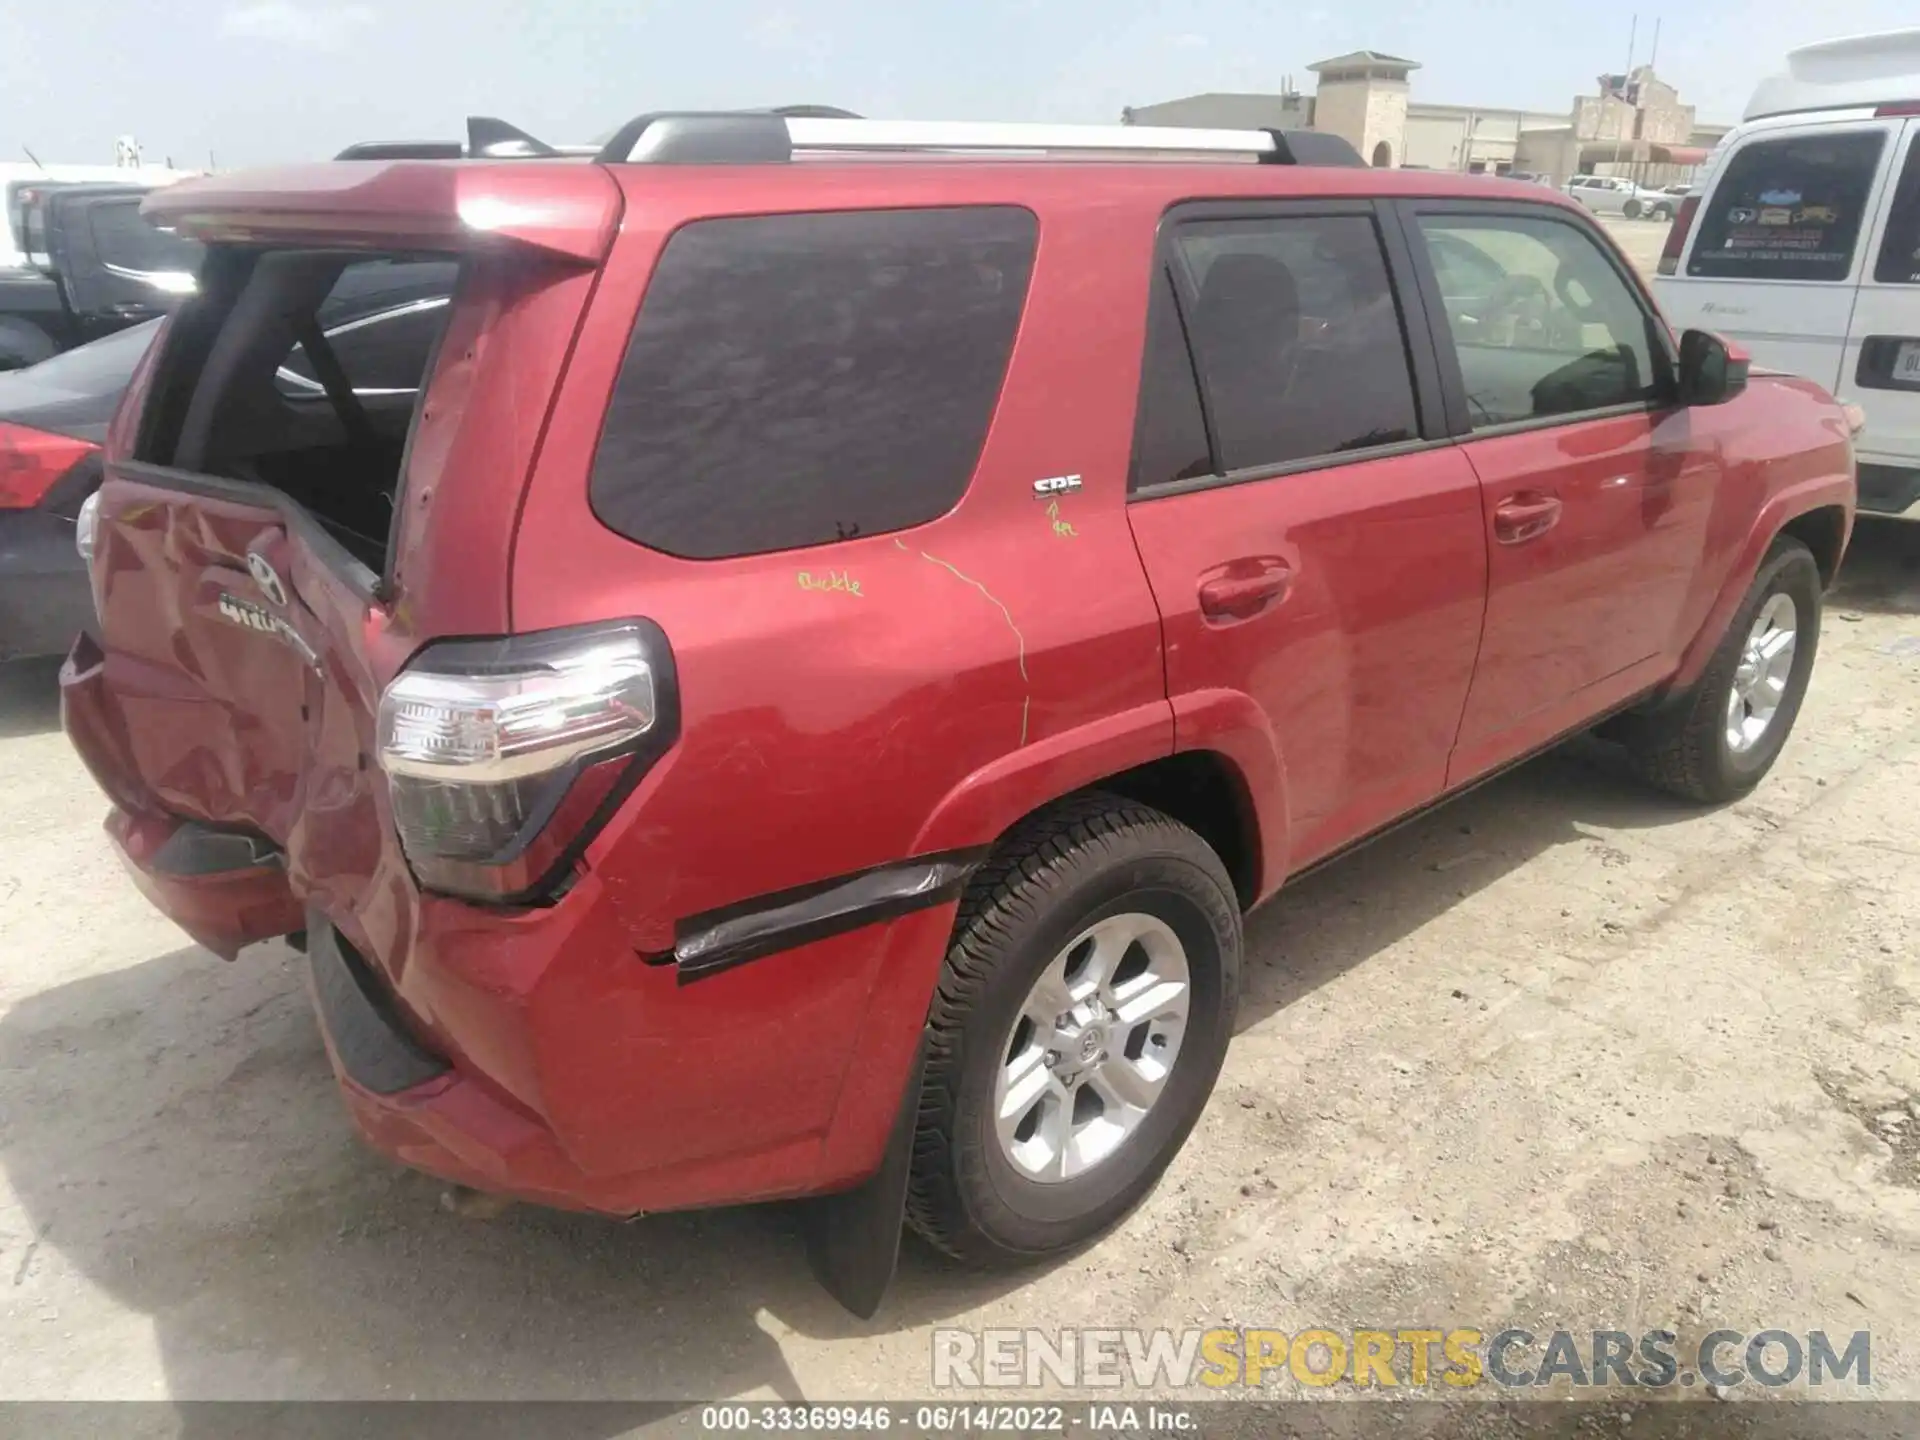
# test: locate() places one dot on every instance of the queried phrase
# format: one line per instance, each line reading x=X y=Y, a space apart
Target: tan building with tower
x=1362 y=98
x=1633 y=125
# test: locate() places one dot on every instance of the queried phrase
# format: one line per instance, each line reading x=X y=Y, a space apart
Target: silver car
x=1616 y=195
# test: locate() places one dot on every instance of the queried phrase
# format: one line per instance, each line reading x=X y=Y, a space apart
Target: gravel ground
x=1564 y=1052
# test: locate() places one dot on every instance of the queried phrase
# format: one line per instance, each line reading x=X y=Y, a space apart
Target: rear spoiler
x=403 y=203
x=489 y=138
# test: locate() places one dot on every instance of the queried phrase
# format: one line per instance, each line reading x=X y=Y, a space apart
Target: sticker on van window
x=1779 y=197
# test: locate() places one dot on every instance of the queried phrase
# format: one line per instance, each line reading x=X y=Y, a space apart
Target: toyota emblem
x=267 y=578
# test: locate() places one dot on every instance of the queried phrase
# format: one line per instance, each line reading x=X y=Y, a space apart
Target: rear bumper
x=534 y=1053
x=224 y=907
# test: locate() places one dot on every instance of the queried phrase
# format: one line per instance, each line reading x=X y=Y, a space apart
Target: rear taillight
x=505 y=757
x=32 y=461
x=86 y=526
x=1677 y=235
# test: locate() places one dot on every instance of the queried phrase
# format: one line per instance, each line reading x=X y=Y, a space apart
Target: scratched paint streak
x=1026 y=703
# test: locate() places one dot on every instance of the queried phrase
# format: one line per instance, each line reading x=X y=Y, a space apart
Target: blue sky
x=256 y=81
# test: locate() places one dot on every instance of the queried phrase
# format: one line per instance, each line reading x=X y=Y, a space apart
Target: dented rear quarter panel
x=947 y=679
x=830 y=725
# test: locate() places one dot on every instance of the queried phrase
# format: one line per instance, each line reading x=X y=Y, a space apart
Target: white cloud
x=1190 y=41
x=306 y=27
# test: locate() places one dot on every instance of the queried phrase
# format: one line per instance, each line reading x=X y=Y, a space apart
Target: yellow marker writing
x=832 y=580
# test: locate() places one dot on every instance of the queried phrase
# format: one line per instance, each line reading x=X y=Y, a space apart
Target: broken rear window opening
x=301 y=370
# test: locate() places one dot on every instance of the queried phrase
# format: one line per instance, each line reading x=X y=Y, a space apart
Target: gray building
x=1634 y=124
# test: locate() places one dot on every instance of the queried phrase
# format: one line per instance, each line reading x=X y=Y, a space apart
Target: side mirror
x=1712 y=372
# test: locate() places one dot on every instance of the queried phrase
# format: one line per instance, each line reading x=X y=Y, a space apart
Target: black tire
x=1056 y=874
x=1632 y=210
x=1686 y=751
x=1661 y=212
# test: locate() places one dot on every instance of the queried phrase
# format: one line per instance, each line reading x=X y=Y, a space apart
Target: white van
x=1802 y=243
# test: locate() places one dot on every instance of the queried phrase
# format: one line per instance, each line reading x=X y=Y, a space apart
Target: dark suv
x=794 y=689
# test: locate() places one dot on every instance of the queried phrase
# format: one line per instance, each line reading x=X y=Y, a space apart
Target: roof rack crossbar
x=709 y=137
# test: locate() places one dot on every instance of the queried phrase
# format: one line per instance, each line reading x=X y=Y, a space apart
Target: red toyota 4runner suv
x=786 y=684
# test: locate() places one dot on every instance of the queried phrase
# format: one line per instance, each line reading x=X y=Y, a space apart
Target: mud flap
x=853 y=1238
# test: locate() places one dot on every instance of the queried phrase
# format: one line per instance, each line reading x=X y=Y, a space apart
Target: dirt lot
x=1565 y=1052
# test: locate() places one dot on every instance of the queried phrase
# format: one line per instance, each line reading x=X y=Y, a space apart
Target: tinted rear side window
x=1170 y=440
x=799 y=379
x=1298 y=338
x=1788 y=209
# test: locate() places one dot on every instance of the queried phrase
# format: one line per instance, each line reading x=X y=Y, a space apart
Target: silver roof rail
x=995 y=136
x=713 y=138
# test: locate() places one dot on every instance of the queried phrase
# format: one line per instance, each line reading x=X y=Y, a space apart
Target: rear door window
x=1170 y=433
x=798 y=379
x=1298 y=338
x=1788 y=209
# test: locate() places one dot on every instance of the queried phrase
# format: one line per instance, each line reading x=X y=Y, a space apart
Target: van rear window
x=1899 y=262
x=798 y=379
x=1788 y=209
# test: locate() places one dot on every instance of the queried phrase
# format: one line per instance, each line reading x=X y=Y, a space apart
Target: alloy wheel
x=1760 y=679
x=1090 y=1053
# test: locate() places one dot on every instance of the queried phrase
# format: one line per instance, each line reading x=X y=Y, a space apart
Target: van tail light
x=506 y=757
x=1677 y=235
x=33 y=461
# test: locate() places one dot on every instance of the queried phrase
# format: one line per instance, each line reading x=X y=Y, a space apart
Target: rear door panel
x=1363 y=666
x=1343 y=588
